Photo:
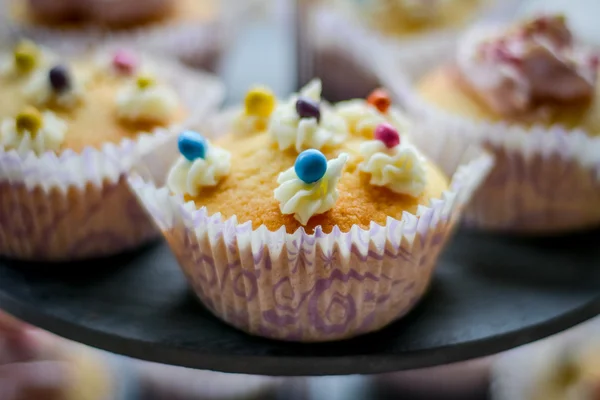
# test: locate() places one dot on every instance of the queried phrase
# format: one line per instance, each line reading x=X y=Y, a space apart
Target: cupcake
x=309 y=229
x=339 y=35
x=558 y=368
x=190 y=29
x=69 y=132
x=528 y=93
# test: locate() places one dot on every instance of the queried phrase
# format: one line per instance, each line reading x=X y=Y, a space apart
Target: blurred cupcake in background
x=70 y=130
x=408 y=17
x=562 y=367
x=528 y=92
x=197 y=31
x=340 y=39
x=322 y=224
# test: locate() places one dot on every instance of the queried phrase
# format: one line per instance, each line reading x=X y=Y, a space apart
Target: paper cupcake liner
x=198 y=44
x=308 y=287
x=78 y=205
x=545 y=180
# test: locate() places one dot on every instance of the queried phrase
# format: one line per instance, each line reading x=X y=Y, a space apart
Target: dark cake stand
x=489 y=294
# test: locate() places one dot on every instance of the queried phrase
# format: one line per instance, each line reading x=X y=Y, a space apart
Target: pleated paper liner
x=78 y=205
x=545 y=180
x=308 y=287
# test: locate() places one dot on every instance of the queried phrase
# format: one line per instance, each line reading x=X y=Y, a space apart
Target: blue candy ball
x=192 y=145
x=310 y=165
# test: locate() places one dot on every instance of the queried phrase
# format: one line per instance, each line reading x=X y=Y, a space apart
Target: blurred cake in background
x=527 y=91
x=340 y=40
x=405 y=17
x=196 y=31
x=563 y=367
x=111 y=14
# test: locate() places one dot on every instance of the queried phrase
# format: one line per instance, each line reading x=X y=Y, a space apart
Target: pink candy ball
x=125 y=62
x=387 y=134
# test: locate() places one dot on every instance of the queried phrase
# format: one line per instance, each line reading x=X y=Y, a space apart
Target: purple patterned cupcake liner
x=309 y=287
x=78 y=205
x=544 y=180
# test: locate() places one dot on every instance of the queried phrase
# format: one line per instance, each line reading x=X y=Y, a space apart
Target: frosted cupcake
x=340 y=39
x=69 y=133
x=528 y=93
x=191 y=29
x=307 y=230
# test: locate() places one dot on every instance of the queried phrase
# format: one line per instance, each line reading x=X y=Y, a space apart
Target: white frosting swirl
x=8 y=67
x=156 y=103
x=49 y=137
x=401 y=168
x=289 y=130
x=307 y=199
x=362 y=118
x=189 y=177
x=39 y=92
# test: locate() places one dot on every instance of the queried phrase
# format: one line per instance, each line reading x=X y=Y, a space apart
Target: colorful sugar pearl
x=308 y=108
x=145 y=81
x=192 y=145
x=60 y=79
x=387 y=134
x=29 y=120
x=380 y=99
x=124 y=62
x=26 y=55
x=260 y=102
x=310 y=166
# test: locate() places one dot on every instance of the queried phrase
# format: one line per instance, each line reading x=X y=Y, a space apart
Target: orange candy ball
x=380 y=99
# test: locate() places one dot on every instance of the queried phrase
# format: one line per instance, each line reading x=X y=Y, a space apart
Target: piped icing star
x=310 y=187
x=259 y=104
x=393 y=163
x=25 y=59
x=56 y=86
x=522 y=70
x=33 y=131
x=200 y=165
x=362 y=117
x=147 y=100
x=303 y=122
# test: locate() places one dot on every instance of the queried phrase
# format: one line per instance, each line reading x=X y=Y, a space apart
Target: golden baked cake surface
x=256 y=163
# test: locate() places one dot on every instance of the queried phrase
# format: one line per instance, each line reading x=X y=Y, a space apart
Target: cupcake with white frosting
x=70 y=132
x=316 y=233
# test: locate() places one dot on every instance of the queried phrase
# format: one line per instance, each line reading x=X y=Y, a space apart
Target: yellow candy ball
x=26 y=55
x=260 y=102
x=145 y=81
x=29 y=120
